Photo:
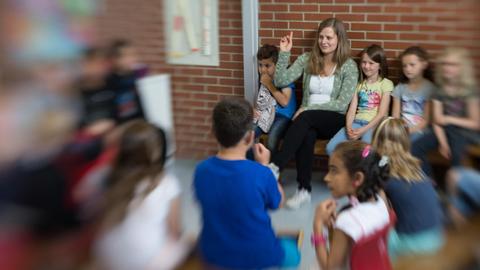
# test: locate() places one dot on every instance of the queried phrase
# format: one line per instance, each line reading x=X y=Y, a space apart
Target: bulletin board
x=192 y=32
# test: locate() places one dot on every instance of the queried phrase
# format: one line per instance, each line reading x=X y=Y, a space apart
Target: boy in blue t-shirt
x=269 y=118
x=235 y=194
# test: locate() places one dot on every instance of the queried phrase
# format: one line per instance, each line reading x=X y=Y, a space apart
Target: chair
x=371 y=252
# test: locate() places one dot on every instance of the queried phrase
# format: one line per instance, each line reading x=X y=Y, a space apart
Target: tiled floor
x=283 y=219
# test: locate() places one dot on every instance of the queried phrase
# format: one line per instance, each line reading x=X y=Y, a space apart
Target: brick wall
x=195 y=88
x=393 y=24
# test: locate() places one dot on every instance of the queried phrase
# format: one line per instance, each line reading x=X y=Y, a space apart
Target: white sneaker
x=301 y=197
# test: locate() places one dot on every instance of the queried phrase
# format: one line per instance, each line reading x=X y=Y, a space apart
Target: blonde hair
x=391 y=139
x=342 y=53
x=467 y=74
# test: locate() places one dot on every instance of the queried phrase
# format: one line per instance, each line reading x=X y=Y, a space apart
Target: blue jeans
x=428 y=142
x=342 y=136
x=467 y=201
x=276 y=132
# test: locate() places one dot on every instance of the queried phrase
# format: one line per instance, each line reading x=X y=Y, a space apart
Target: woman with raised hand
x=329 y=80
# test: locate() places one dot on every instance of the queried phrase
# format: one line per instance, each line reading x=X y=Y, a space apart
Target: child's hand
x=445 y=151
x=261 y=154
x=256 y=114
x=299 y=111
x=265 y=79
x=350 y=133
x=286 y=42
x=356 y=134
x=325 y=213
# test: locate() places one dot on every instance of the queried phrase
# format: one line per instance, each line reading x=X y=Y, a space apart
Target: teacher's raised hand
x=286 y=42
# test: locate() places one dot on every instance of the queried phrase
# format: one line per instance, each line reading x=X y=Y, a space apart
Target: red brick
x=366 y=9
x=265 y=16
x=276 y=7
x=379 y=1
x=223 y=24
x=273 y=24
x=199 y=96
x=413 y=18
x=356 y=35
x=318 y=1
x=230 y=15
x=432 y=28
x=280 y=33
x=205 y=80
x=237 y=57
x=181 y=95
x=451 y=37
x=232 y=82
x=316 y=16
x=397 y=45
x=303 y=42
x=304 y=8
x=303 y=25
x=288 y=16
x=350 y=1
x=237 y=40
x=220 y=89
x=265 y=33
x=397 y=27
x=231 y=32
x=219 y=72
x=361 y=44
x=366 y=27
x=350 y=17
x=382 y=18
x=309 y=34
x=433 y=9
x=398 y=9
x=231 y=65
x=444 y=19
x=203 y=112
x=334 y=8
x=381 y=36
x=193 y=104
x=225 y=40
x=231 y=48
x=236 y=24
x=192 y=87
x=414 y=36
x=224 y=57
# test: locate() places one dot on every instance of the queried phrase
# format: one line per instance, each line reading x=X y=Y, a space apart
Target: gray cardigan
x=344 y=84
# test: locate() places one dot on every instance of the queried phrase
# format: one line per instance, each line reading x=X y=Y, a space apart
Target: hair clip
x=366 y=151
x=383 y=161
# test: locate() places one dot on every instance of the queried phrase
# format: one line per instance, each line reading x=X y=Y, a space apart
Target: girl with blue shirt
x=419 y=227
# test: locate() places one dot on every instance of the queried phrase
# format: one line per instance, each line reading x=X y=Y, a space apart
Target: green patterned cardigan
x=344 y=84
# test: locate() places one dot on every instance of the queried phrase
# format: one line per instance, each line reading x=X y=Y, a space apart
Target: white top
x=321 y=88
x=363 y=219
x=134 y=242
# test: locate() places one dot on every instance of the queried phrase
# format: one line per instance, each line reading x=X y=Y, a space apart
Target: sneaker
x=301 y=197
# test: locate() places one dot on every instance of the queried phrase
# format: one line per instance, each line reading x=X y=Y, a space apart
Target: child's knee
x=292 y=254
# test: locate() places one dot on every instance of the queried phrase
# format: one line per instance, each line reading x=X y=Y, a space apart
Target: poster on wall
x=192 y=32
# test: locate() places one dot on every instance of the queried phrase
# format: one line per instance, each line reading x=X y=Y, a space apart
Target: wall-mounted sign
x=192 y=32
